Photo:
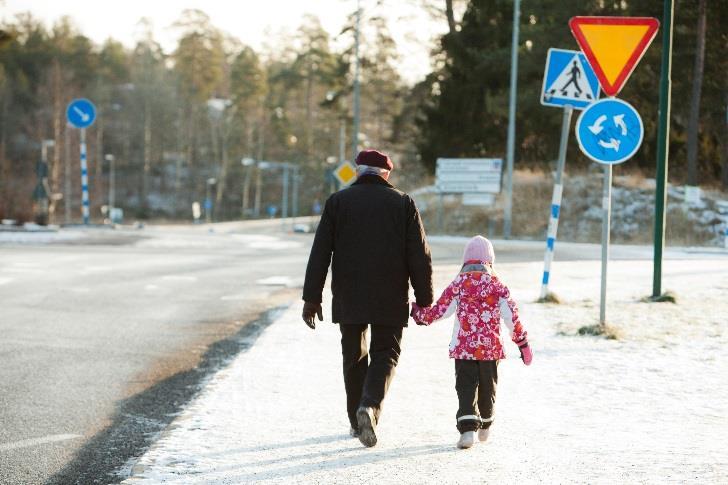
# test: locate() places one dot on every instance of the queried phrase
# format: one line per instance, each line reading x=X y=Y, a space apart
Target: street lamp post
x=355 y=133
x=511 y=140
x=208 y=199
x=112 y=183
x=287 y=168
x=248 y=164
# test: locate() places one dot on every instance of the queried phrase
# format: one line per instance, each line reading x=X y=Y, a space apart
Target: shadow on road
x=138 y=420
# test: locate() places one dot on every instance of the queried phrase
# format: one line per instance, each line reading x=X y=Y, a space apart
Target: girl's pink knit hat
x=479 y=248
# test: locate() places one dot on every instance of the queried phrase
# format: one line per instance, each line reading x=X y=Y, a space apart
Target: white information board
x=469 y=175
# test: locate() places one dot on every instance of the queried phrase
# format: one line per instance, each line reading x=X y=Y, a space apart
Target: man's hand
x=310 y=310
x=415 y=308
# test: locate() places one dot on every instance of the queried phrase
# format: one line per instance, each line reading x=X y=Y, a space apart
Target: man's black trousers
x=367 y=374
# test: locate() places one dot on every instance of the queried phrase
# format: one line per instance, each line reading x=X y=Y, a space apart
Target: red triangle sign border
x=612 y=89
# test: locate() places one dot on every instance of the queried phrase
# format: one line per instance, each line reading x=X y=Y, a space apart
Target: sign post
x=609 y=132
x=553 y=226
x=663 y=144
x=570 y=83
x=81 y=113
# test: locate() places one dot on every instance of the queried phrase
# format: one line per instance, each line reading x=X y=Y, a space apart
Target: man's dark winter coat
x=375 y=234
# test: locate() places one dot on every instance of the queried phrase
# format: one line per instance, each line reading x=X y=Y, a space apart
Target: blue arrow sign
x=81 y=113
x=568 y=79
x=610 y=131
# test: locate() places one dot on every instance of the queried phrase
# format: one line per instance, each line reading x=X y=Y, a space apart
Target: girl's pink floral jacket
x=480 y=300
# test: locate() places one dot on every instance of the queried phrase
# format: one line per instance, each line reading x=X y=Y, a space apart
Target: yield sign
x=613 y=46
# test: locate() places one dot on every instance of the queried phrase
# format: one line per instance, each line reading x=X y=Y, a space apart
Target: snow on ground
x=38 y=237
x=651 y=407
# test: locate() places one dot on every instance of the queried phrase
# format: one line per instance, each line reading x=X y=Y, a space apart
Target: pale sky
x=253 y=22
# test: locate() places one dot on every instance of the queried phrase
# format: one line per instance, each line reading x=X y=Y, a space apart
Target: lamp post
x=287 y=168
x=248 y=164
x=355 y=133
x=112 y=183
x=208 y=199
x=510 y=148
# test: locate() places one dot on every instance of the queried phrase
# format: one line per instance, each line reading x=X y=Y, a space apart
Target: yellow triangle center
x=613 y=45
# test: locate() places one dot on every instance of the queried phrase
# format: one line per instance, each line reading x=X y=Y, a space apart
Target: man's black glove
x=310 y=310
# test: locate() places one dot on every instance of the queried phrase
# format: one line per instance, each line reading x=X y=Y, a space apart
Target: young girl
x=481 y=300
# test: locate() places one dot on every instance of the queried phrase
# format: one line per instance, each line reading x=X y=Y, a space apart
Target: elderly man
x=375 y=235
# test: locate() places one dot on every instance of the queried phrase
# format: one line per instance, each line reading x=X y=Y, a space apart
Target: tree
x=692 y=132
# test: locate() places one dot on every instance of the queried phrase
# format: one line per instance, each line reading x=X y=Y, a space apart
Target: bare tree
x=694 y=119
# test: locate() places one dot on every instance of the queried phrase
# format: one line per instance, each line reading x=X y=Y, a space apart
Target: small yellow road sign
x=345 y=173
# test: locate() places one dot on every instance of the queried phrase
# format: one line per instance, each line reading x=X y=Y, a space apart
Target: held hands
x=310 y=310
x=526 y=353
x=415 y=308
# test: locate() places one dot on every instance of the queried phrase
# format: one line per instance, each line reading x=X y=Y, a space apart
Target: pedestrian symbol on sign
x=574 y=75
x=568 y=80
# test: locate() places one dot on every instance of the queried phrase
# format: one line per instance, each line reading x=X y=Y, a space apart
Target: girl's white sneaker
x=467 y=439
x=483 y=434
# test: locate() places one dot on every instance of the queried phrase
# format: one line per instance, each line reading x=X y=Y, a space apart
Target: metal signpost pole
x=508 y=209
x=112 y=183
x=67 y=175
x=258 y=190
x=84 y=178
x=294 y=202
x=663 y=143
x=81 y=113
x=556 y=200
x=284 y=201
x=606 y=224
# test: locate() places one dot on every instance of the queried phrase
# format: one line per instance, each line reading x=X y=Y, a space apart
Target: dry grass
x=581 y=216
x=607 y=331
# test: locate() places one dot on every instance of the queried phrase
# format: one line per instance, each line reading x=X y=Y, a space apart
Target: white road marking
x=26 y=264
x=24 y=269
x=179 y=278
x=38 y=441
x=94 y=269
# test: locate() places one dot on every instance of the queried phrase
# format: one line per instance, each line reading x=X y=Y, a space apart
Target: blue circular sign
x=81 y=113
x=610 y=131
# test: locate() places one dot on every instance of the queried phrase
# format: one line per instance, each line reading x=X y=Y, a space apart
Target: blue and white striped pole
x=84 y=178
x=551 y=238
x=556 y=201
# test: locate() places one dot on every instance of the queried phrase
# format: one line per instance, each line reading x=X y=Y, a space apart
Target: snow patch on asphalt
x=276 y=281
x=21 y=237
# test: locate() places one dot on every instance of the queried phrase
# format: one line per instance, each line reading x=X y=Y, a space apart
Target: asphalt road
x=105 y=335
x=103 y=338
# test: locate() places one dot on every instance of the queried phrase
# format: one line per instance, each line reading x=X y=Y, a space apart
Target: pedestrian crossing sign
x=568 y=79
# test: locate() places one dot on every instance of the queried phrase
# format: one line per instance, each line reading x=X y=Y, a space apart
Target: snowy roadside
x=649 y=408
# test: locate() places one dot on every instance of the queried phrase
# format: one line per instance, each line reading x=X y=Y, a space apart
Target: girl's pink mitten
x=526 y=353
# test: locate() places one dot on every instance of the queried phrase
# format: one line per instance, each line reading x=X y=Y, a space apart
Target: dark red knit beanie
x=374 y=158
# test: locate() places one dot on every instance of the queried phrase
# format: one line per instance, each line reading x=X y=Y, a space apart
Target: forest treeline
x=173 y=120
